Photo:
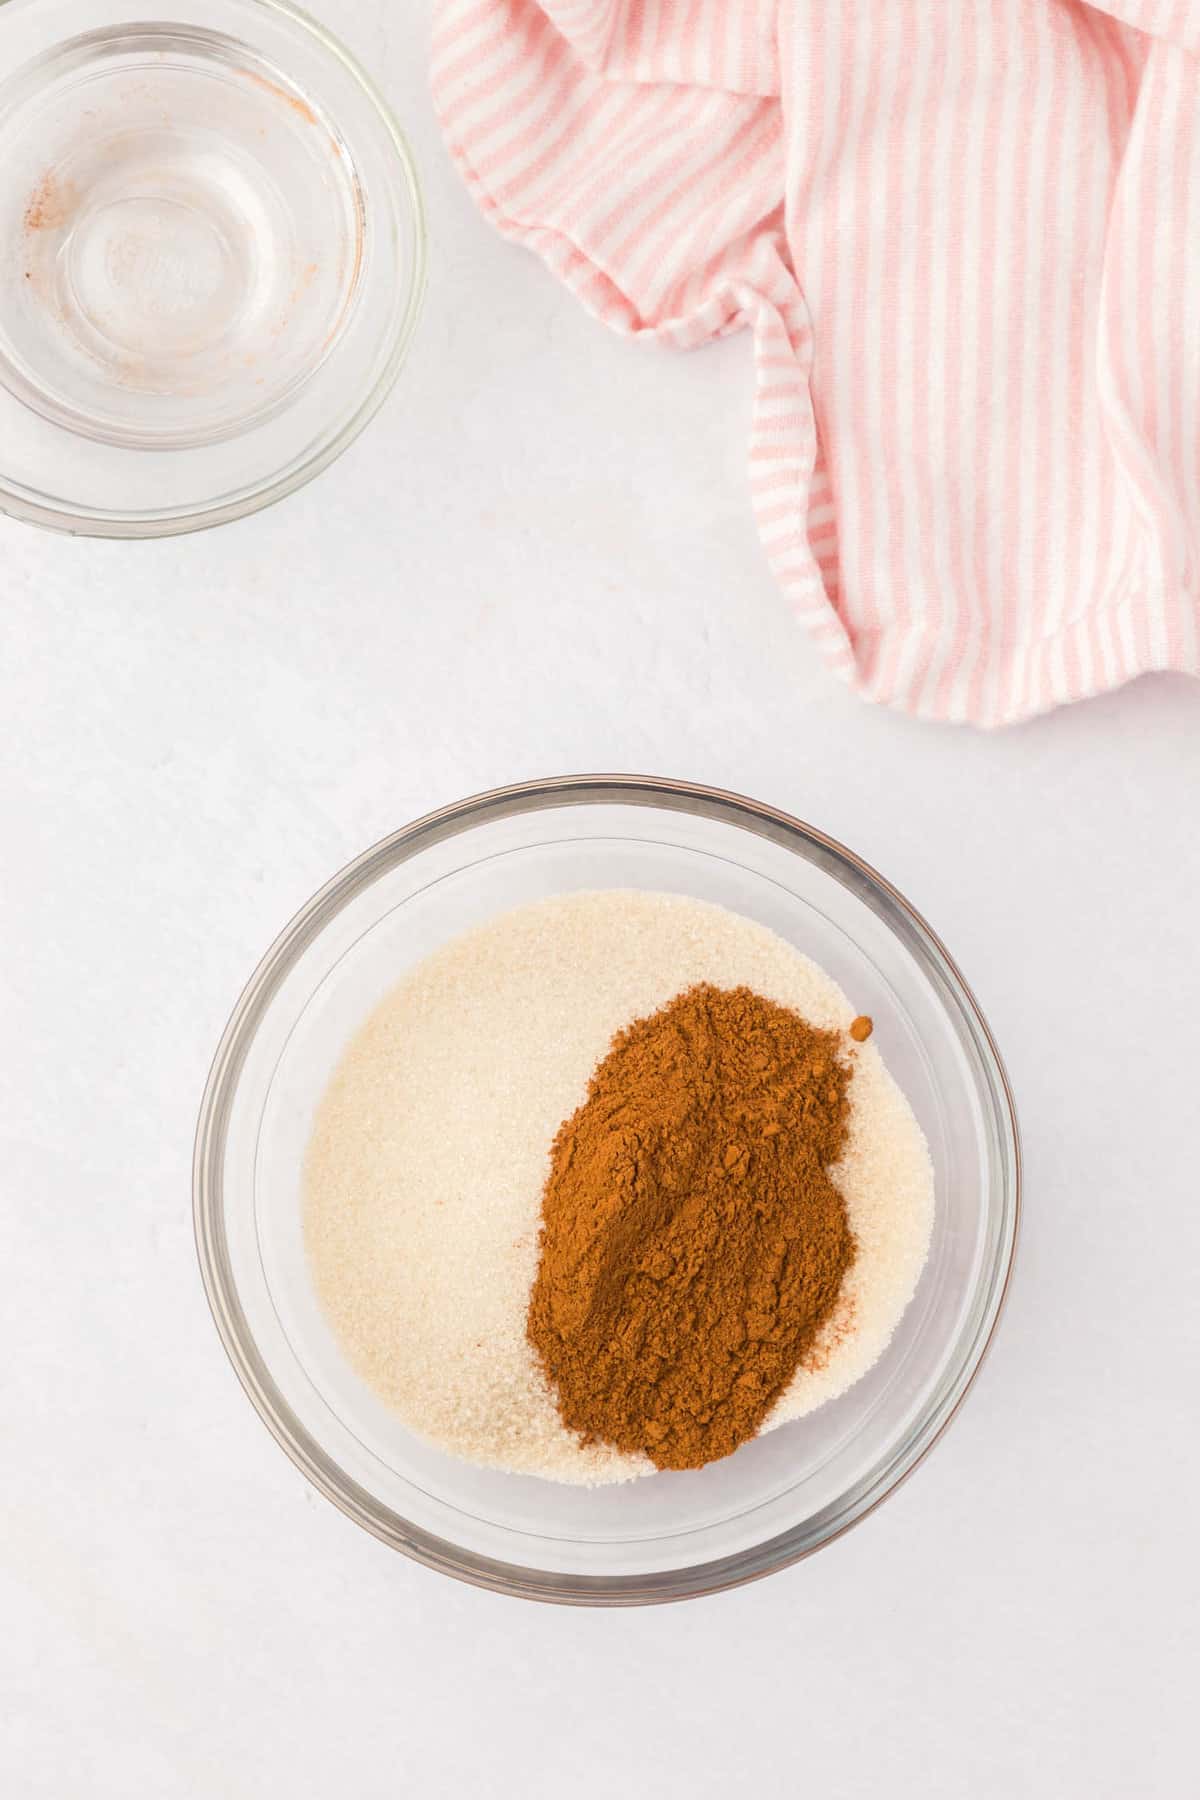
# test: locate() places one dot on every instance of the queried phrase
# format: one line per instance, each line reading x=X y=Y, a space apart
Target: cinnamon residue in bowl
x=693 y=1244
x=51 y=204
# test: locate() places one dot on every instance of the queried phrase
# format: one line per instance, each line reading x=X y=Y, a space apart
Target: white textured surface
x=195 y=735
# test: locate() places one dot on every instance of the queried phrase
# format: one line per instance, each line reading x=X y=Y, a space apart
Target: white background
x=540 y=559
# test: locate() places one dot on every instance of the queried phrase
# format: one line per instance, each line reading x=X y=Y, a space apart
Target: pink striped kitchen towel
x=966 y=237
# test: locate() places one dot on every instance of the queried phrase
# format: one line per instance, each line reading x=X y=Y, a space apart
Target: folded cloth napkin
x=966 y=237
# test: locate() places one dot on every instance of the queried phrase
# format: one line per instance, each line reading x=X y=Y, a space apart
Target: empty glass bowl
x=211 y=259
x=669 y=1535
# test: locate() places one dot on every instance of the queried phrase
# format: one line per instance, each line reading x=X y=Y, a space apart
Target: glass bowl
x=211 y=259
x=667 y=1536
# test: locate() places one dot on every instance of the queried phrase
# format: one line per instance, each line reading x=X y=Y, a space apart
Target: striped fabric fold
x=966 y=241
x=1175 y=21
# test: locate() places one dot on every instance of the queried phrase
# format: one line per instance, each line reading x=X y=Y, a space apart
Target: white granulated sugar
x=430 y=1150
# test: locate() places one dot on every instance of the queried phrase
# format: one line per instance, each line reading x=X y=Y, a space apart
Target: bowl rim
x=327 y=1477
x=59 y=516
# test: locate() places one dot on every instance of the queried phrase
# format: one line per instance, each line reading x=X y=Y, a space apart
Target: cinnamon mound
x=693 y=1244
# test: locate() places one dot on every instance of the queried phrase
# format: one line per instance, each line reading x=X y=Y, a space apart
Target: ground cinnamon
x=693 y=1244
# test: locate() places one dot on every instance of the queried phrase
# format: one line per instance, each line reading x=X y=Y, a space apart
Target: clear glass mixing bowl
x=211 y=259
x=670 y=1535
